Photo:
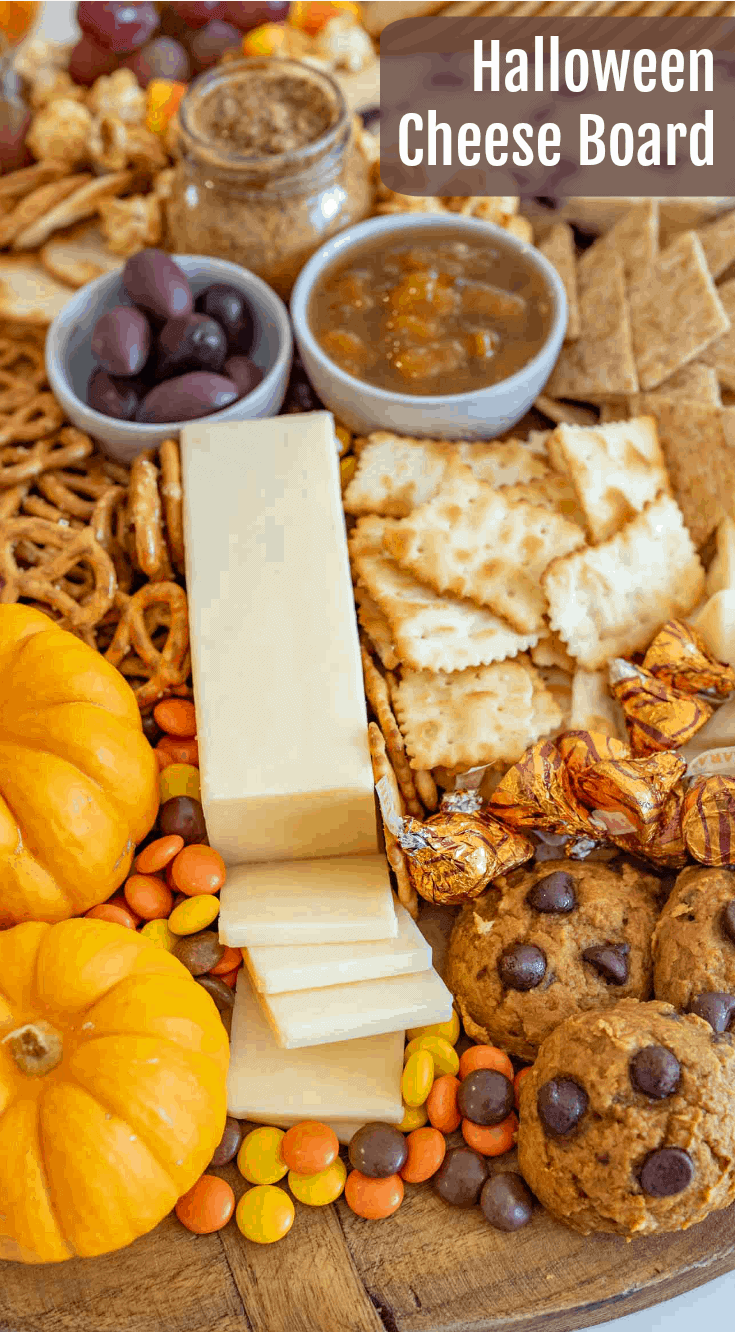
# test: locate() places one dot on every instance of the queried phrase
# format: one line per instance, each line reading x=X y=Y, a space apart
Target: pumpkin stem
x=36 y=1048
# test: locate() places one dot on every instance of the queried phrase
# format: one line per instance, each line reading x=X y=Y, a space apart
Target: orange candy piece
x=163 y=759
x=485 y=1056
x=157 y=855
x=309 y=1147
x=491 y=1139
x=162 y=103
x=313 y=15
x=176 y=716
x=198 y=869
x=426 y=1150
x=148 y=896
x=230 y=977
x=207 y=1206
x=518 y=1079
x=230 y=961
x=181 y=749
x=441 y=1104
x=373 y=1198
x=112 y=911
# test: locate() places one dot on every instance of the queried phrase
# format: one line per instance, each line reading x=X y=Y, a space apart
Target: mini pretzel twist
x=104 y=523
x=171 y=493
x=164 y=668
x=75 y=493
x=144 y=506
x=33 y=420
x=55 y=552
x=67 y=447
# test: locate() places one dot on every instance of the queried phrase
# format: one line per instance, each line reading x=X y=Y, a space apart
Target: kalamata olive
x=244 y=373
x=89 y=61
x=112 y=397
x=162 y=58
x=118 y=25
x=121 y=340
x=195 y=342
x=157 y=285
x=209 y=44
x=229 y=307
x=187 y=397
x=196 y=15
x=248 y=14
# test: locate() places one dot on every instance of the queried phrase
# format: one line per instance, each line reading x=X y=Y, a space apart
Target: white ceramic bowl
x=481 y=414
x=69 y=360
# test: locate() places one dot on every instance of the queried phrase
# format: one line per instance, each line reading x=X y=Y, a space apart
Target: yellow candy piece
x=344 y=438
x=264 y=41
x=444 y=1055
x=448 y=1030
x=259 y=1159
x=418 y=1076
x=162 y=102
x=347 y=469
x=414 y=1116
x=196 y=913
x=158 y=932
x=319 y=1189
x=179 y=779
x=265 y=1214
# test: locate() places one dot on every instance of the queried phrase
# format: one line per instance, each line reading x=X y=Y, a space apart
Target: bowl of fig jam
x=429 y=325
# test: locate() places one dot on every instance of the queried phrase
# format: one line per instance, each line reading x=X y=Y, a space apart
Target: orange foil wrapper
x=708 y=821
x=535 y=793
x=628 y=796
x=679 y=657
x=658 y=716
x=454 y=855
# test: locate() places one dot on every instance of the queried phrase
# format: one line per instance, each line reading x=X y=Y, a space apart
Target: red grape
x=88 y=61
x=246 y=15
x=209 y=44
x=116 y=24
x=163 y=58
x=197 y=15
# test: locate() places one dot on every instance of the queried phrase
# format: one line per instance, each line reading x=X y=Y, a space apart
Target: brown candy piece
x=679 y=657
x=184 y=816
x=656 y=1072
x=561 y=1103
x=454 y=855
x=199 y=952
x=506 y=1201
x=222 y=993
x=658 y=716
x=229 y=1143
x=610 y=960
x=708 y=821
x=666 y=1172
x=522 y=966
x=460 y=1177
x=378 y=1150
x=485 y=1096
x=715 y=1007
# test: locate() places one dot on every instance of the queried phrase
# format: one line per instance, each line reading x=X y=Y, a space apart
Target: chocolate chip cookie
x=627 y=1121
x=694 y=946
x=560 y=937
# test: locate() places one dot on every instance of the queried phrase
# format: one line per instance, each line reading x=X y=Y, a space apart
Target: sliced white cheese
x=350 y=1012
x=281 y=711
x=354 y=1081
x=343 y=900
x=279 y=969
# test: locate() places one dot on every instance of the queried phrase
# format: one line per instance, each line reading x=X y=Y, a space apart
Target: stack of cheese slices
x=335 y=968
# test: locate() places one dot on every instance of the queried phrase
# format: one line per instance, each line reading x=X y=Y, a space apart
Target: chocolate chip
x=561 y=1104
x=506 y=1201
x=728 y=920
x=715 y=1007
x=554 y=894
x=460 y=1177
x=485 y=1096
x=611 y=960
x=378 y=1150
x=522 y=966
x=229 y=1143
x=666 y=1172
x=655 y=1071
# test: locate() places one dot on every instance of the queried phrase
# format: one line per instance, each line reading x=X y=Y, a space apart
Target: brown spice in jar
x=267 y=116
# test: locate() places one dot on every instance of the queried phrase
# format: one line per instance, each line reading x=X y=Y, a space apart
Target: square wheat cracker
x=718 y=243
x=616 y=470
x=471 y=541
x=609 y=600
x=482 y=715
x=675 y=311
x=634 y=238
x=720 y=355
x=600 y=363
x=700 y=461
x=558 y=248
x=430 y=632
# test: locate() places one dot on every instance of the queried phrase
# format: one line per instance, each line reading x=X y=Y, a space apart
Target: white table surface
x=709 y=1307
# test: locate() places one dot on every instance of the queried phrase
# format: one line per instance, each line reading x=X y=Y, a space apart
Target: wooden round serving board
x=430 y=1268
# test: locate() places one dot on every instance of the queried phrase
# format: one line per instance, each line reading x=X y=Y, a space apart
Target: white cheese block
x=351 y=1080
x=275 y=970
x=349 y=1012
x=284 y=758
x=347 y=899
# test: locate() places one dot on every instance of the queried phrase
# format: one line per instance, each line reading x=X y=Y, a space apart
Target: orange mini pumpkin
x=78 y=779
x=112 y=1087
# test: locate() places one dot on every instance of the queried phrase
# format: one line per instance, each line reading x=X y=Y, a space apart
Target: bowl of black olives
x=166 y=340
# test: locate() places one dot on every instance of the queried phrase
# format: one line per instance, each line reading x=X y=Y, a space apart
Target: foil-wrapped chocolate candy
x=658 y=715
x=535 y=793
x=679 y=657
x=708 y=821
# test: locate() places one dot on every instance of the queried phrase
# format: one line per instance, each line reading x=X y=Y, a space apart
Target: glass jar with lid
x=270 y=167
